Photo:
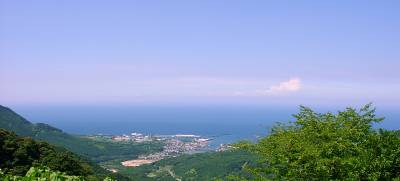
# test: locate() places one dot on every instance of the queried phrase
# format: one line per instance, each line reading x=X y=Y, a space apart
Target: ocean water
x=224 y=123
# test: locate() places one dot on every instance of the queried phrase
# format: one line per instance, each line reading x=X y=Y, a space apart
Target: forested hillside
x=19 y=154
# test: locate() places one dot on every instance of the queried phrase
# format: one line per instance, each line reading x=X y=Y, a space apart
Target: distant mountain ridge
x=12 y=121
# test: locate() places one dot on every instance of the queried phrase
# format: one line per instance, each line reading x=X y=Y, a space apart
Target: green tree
x=43 y=174
x=327 y=146
x=18 y=154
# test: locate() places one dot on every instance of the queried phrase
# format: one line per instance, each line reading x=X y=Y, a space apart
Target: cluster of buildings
x=177 y=146
x=174 y=145
x=136 y=137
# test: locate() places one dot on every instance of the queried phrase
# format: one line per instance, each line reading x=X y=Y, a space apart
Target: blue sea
x=226 y=123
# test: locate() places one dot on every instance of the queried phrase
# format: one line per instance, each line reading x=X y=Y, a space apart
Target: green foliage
x=328 y=146
x=43 y=174
x=40 y=174
x=18 y=154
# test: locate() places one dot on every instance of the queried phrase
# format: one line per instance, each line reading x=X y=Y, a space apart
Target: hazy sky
x=228 y=52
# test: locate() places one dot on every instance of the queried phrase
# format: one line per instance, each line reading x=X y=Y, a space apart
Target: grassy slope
x=201 y=166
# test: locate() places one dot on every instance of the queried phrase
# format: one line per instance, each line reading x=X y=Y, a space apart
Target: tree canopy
x=341 y=146
x=18 y=154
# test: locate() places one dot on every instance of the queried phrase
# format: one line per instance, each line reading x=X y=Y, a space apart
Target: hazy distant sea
x=225 y=123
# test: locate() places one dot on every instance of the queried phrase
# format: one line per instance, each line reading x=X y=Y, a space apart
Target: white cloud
x=292 y=85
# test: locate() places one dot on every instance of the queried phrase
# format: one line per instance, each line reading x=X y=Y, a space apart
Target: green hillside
x=19 y=154
x=96 y=150
x=200 y=166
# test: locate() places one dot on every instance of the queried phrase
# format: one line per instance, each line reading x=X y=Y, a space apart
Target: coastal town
x=174 y=145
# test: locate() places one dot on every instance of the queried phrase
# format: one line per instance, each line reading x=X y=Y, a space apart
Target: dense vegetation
x=19 y=154
x=340 y=146
x=96 y=150
x=42 y=174
x=201 y=166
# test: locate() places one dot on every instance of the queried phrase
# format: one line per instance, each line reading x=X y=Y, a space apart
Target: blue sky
x=225 y=52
